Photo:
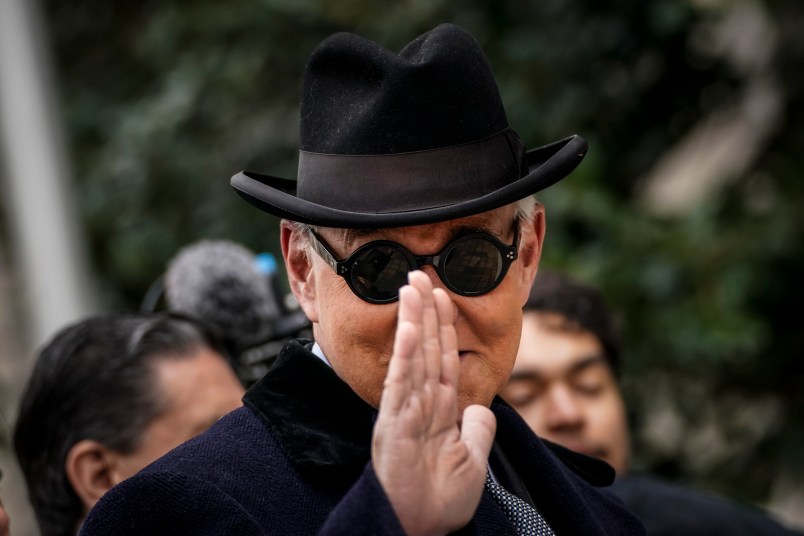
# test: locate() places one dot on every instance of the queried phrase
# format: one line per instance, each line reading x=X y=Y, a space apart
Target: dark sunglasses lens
x=473 y=266
x=379 y=272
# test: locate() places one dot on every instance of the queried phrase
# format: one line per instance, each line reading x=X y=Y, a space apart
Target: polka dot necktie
x=526 y=519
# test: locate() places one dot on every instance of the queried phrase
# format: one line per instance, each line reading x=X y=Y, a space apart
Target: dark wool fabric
x=296 y=460
x=360 y=98
x=668 y=510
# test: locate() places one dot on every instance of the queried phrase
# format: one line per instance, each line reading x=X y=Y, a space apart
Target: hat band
x=411 y=181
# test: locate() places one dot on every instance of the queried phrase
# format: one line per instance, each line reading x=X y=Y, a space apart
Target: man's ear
x=530 y=251
x=90 y=470
x=299 y=267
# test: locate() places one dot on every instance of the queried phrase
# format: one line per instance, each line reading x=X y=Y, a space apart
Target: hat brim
x=274 y=195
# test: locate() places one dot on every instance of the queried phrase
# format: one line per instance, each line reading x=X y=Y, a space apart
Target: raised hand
x=431 y=468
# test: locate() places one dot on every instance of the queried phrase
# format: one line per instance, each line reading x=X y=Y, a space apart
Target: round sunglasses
x=470 y=265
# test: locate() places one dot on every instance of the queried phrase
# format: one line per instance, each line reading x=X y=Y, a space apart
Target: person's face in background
x=566 y=392
x=194 y=391
x=197 y=391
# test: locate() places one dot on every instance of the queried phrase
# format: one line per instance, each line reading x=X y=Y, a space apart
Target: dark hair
x=582 y=307
x=93 y=380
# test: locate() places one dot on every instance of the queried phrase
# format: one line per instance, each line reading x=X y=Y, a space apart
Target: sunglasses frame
x=508 y=254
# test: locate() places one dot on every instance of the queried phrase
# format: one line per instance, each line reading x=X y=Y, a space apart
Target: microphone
x=239 y=295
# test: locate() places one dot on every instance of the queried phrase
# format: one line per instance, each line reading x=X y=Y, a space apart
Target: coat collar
x=297 y=399
x=319 y=419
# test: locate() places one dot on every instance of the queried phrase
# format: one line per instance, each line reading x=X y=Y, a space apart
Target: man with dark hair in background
x=565 y=385
x=107 y=396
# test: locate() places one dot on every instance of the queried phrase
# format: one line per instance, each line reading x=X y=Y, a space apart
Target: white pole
x=48 y=255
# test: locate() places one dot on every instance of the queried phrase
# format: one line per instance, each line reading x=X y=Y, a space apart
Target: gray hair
x=525 y=209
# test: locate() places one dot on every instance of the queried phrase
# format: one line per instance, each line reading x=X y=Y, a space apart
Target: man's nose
x=563 y=410
x=437 y=283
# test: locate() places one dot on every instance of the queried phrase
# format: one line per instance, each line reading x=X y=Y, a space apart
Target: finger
x=431 y=346
x=448 y=338
x=410 y=310
x=398 y=380
x=477 y=431
x=397 y=385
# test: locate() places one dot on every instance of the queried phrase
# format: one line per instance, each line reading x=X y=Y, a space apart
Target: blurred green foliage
x=165 y=100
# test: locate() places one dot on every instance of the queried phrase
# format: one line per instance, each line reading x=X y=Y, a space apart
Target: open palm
x=431 y=468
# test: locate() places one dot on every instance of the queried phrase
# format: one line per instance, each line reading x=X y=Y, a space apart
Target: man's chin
x=464 y=401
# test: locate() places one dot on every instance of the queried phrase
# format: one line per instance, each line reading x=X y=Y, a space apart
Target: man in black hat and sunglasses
x=411 y=240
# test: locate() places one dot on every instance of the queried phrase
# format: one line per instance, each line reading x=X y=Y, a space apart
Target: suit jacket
x=296 y=460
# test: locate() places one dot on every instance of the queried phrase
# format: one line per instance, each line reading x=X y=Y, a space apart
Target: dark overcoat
x=668 y=509
x=296 y=460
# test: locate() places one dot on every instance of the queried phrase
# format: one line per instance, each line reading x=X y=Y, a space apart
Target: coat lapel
x=320 y=421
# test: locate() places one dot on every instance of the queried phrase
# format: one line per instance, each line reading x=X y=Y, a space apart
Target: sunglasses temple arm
x=323 y=252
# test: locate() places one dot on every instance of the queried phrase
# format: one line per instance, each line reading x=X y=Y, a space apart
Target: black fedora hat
x=391 y=140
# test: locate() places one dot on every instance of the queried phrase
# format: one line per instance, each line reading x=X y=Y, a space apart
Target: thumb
x=477 y=430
